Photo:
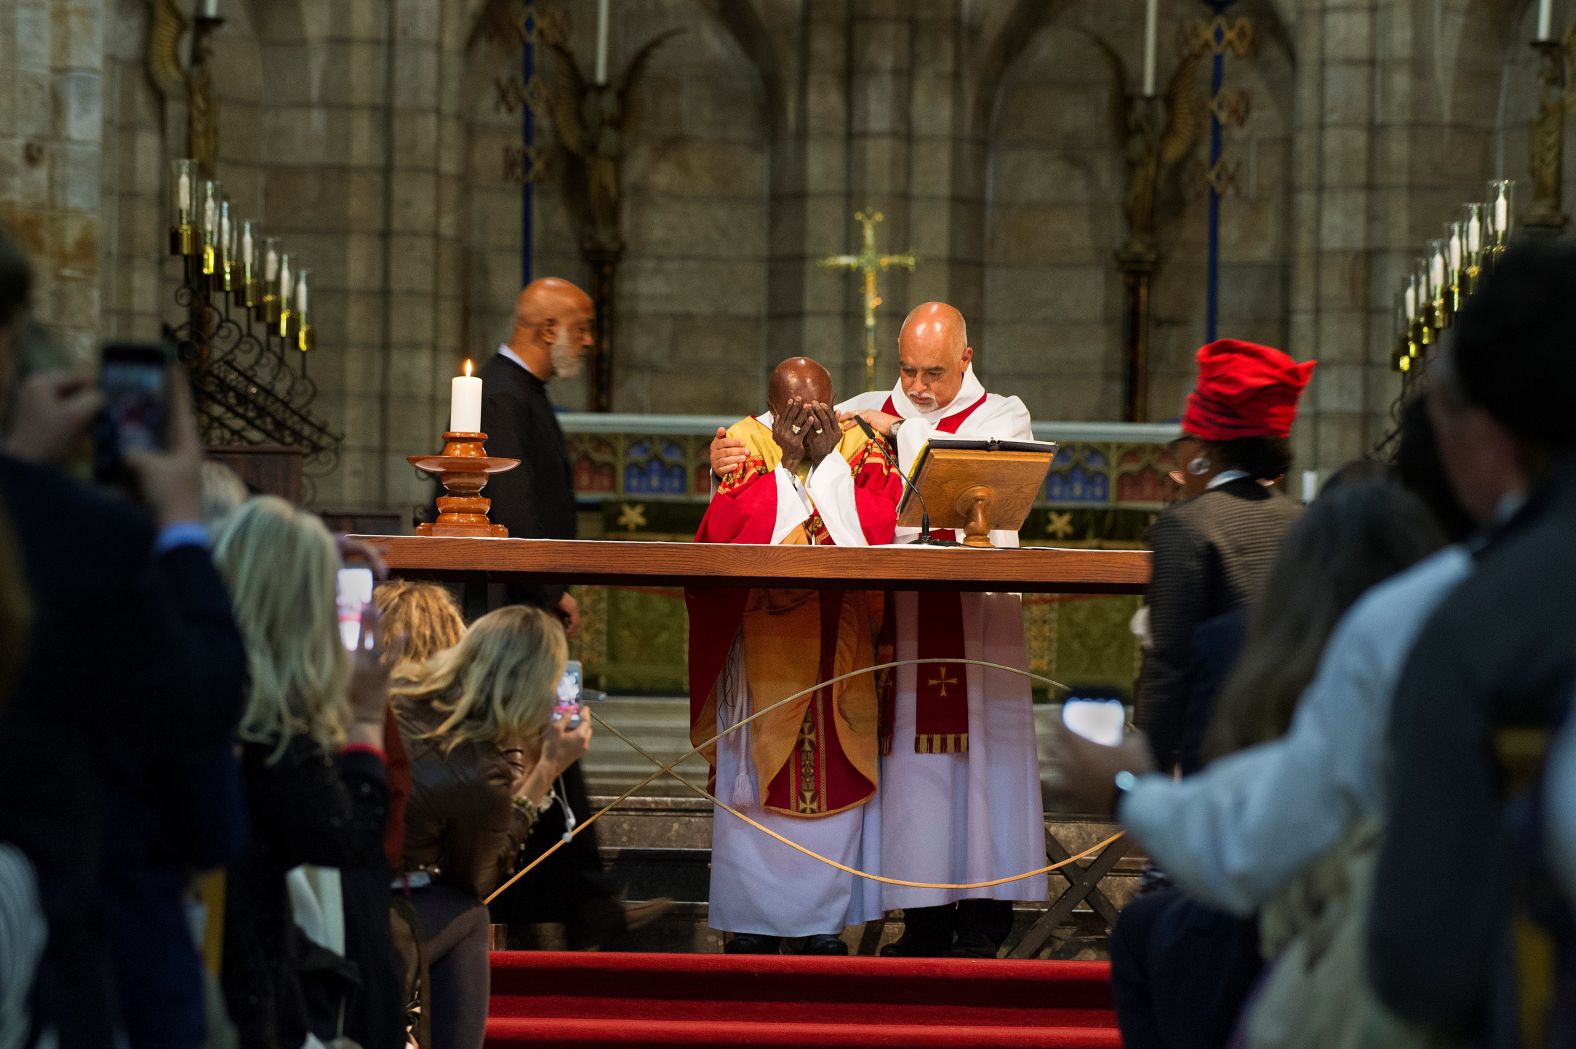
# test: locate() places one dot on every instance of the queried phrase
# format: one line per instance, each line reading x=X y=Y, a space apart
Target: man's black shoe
x=914 y=947
x=824 y=943
x=972 y=945
x=927 y=933
x=750 y=943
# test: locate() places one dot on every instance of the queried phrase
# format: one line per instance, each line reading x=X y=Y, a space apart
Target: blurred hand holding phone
x=1097 y=713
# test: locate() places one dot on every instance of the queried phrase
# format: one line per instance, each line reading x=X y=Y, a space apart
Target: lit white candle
x=1545 y=19
x=270 y=262
x=1474 y=229
x=300 y=292
x=1501 y=212
x=601 y=41
x=1151 y=31
x=247 y=255
x=285 y=285
x=465 y=402
x=210 y=214
x=183 y=194
x=1455 y=247
x=1436 y=271
x=1411 y=299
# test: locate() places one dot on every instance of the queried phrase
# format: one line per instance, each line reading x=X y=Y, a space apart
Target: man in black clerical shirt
x=536 y=500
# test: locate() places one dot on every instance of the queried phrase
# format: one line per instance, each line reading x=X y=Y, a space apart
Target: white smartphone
x=354 y=595
x=568 y=705
x=1097 y=714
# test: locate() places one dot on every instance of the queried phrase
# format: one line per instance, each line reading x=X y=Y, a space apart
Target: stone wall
x=1054 y=296
x=367 y=134
x=53 y=171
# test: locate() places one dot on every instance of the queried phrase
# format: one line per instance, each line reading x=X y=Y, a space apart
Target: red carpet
x=587 y=1001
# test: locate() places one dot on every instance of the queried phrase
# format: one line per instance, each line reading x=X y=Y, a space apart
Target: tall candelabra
x=248 y=330
x=1442 y=280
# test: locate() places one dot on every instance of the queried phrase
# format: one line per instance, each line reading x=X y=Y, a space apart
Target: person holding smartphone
x=133 y=660
x=312 y=764
x=485 y=752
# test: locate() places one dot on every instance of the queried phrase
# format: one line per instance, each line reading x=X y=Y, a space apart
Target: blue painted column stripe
x=528 y=139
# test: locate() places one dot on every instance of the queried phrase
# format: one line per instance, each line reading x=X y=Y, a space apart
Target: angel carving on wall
x=594 y=123
x=178 y=82
x=1151 y=147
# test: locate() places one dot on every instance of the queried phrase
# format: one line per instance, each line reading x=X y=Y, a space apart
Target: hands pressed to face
x=805 y=429
x=728 y=454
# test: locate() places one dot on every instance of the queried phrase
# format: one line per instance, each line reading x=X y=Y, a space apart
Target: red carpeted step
x=605 y=1034
x=590 y=999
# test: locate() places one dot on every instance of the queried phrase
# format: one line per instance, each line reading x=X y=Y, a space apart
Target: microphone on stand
x=925 y=538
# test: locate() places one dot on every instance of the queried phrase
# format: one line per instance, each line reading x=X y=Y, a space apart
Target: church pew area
x=589 y=1001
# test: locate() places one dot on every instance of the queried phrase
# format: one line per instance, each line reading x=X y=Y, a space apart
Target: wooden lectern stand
x=975 y=485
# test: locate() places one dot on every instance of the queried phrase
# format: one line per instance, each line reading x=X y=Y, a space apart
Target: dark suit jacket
x=307 y=807
x=1211 y=554
x=1500 y=650
x=129 y=661
x=535 y=500
x=1216 y=645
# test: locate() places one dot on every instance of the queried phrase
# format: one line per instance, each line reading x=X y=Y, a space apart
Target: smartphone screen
x=134 y=378
x=1097 y=714
x=354 y=595
x=568 y=704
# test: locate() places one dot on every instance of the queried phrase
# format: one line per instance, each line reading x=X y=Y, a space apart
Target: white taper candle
x=602 y=17
x=1151 y=34
x=465 y=402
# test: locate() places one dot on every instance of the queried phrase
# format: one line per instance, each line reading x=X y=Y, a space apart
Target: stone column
x=51 y=173
x=1332 y=298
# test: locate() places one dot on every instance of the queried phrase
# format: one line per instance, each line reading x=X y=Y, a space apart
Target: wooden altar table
x=649 y=564
x=625 y=563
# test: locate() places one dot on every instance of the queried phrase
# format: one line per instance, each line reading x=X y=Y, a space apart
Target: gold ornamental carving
x=188 y=82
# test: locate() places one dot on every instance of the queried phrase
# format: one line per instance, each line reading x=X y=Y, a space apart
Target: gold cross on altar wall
x=869 y=262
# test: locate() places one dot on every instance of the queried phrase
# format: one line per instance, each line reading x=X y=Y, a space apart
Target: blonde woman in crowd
x=424 y=616
x=312 y=763
x=484 y=752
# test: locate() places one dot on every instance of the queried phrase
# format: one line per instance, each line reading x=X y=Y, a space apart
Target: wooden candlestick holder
x=462 y=468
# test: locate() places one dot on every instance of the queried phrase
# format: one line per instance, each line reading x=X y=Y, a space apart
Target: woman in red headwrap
x=1212 y=556
x=1212 y=552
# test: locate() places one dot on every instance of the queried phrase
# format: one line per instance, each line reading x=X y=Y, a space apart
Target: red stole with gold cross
x=941 y=690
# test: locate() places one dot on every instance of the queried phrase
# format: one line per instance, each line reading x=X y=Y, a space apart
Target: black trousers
x=459 y=973
x=1180 y=971
x=570 y=886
